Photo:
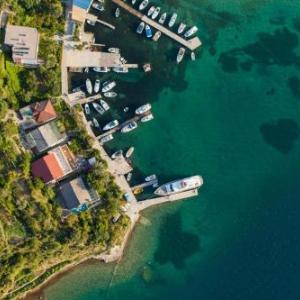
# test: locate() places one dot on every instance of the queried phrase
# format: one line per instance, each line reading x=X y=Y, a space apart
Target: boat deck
x=191 y=44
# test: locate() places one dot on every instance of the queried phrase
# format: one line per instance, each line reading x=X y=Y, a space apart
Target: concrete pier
x=191 y=44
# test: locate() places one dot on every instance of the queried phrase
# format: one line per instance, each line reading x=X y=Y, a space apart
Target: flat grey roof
x=24 y=41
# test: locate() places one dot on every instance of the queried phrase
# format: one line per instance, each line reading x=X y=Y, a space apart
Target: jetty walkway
x=191 y=44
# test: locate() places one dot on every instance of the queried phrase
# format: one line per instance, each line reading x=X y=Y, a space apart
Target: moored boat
x=133 y=2
x=98 y=6
x=129 y=176
x=148 y=31
x=151 y=11
x=113 y=50
x=120 y=69
x=129 y=152
x=117 y=154
x=191 y=31
x=91 y=22
x=156 y=36
x=144 y=4
x=87 y=109
x=110 y=94
x=111 y=125
x=101 y=69
x=95 y=122
x=142 y=109
x=147 y=118
x=117 y=12
x=151 y=177
x=129 y=127
x=180 y=55
x=193 y=56
x=140 y=28
x=108 y=86
x=155 y=13
x=162 y=18
x=89 y=86
x=97 y=86
x=98 y=108
x=180 y=185
x=172 y=20
x=106 y=138
x=104 y=105
x=181 y=28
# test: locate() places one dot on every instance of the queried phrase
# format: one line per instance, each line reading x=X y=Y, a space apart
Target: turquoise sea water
x=232 y=116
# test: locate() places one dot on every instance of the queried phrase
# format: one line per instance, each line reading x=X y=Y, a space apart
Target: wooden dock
x=191 y=44
x=145 y=184
x=72 y=100
x=160 y=200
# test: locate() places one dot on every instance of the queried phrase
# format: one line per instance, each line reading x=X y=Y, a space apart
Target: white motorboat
x=97 y=86
x=162 y=18
x=147 y=118
x=87 y=109
x=95 y=122
x=133 y=2
x=151 y=177
x=151 y=11
x=140 y=28
x=129 y=152
x=111 y=125
x=172 y=20
x=104 y=105
x=191 y=31
x=144 y=4
x=193 y=56
x=98 y=108
x=180 y=55
x=113 y=50
x=117 y=154
x=123 y=60
x=106 y=138
x=129 y=127
x=156 y=36
x=89 y=86
x=117 y=12
x=142 y=109
x=110 y=94
x=108 y=86
x=181 y=185
x=91 y=22
x=101 y=69
x=120 y=69
x=181 y=28
x=86 y=70
x=98 y=6
x=129 y=176
x=155 y=13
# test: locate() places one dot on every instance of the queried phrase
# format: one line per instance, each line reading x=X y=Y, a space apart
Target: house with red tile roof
x=55 y=165
x=37 y=114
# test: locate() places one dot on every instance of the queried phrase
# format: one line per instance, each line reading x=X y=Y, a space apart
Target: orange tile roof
x=47 y=168
x=43 y=111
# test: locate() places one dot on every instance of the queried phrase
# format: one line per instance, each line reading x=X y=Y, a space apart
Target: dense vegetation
x=34 y=239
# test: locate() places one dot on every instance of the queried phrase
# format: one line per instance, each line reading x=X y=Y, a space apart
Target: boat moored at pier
x=106 y=138
x=147 y=118
x=143 y=109
x=180 y=185
x=155 y=13
x=107 y=86
x=98 y=108
x=104 y=105
x=162 y=19
x=89 y=86
x=101 y=69
x=140 y=28
x=180 y=55
x=172 y=20
x=129 y=127
x=191 y=32
x=110 y=94
x=97 y=86
x=148 y=30
x=111 y=125
x=144 y=4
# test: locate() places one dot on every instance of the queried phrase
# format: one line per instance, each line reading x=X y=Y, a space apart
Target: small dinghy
x=117 y=154
x=87 y=109
x=110 y=94
x=104 y=105
x=96 y=123
x=151 y=177
x=142 y=109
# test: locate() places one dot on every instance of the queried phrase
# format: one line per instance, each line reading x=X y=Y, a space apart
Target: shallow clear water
x=232 y=116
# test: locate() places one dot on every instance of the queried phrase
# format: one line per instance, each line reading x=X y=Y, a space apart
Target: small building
x=54 y=166
x=45 y=137
x=24 y=43
x=75 y=193
x=80 y=9
x=37 y=114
